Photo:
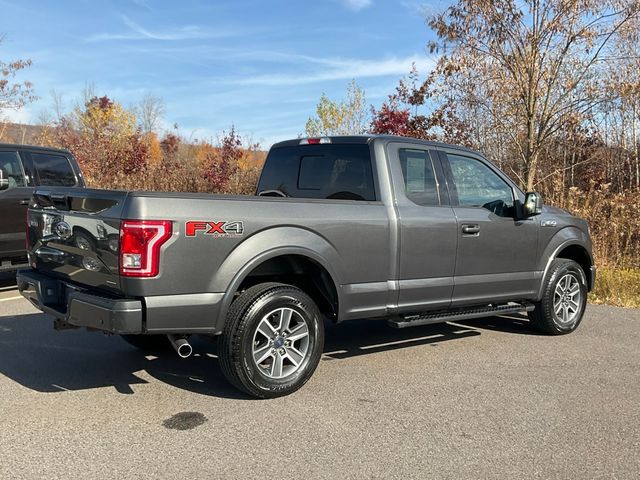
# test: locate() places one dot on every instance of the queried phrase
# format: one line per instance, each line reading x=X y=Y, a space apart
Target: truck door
x=427 y=228
x=496 y=256
x=13 y=205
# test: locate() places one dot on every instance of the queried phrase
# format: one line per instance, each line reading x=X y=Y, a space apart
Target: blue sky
x=260 y=65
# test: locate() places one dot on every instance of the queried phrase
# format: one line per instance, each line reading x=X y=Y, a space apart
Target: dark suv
x=22 y=169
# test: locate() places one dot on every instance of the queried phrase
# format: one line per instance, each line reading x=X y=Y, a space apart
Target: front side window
x=53 y=170
x=419 y=176
x=12 y=169
x=479 y=186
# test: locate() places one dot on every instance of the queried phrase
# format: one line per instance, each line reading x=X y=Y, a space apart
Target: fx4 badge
x=215 y=229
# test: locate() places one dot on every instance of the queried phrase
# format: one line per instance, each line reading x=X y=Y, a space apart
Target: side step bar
x=458 y=314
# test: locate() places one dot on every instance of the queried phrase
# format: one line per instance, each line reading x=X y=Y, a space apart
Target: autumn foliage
x=113 y=152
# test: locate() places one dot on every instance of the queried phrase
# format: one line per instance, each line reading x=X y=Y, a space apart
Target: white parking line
x=10 y=298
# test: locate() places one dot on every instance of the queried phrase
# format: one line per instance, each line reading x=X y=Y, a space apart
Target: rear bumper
x=76 y=307
x=12 y=264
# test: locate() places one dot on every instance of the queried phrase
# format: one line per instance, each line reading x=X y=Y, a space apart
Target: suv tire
x=272 y=340
x=564 y=299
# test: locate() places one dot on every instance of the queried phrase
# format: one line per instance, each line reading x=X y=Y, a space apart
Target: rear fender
x=268 y=244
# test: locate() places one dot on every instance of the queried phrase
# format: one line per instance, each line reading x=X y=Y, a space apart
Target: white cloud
x=341 y=69
x=138 y=32
x=357 y=5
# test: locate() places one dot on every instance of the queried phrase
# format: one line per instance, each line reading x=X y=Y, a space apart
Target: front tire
x=272 y=340
x=564 y=299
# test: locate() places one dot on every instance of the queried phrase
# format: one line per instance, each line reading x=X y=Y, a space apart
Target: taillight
x=140 y=242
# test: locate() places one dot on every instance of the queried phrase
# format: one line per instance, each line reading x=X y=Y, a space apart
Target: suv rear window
x=53 y=170
x=338 y=171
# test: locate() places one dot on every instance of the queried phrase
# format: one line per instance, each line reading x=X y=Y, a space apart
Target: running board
x=458 y=314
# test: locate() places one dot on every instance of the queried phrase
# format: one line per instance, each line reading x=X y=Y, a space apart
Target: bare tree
x=619 y=116
x=14 y=94
x=44 y=118
x=150 y=111
x=528 y=68
x=88 y=93
x=57 y=101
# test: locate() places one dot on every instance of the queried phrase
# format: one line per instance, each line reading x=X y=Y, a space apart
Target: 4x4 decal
x=213 y=228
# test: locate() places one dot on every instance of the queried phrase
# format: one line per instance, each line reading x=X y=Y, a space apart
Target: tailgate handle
x=47 y=198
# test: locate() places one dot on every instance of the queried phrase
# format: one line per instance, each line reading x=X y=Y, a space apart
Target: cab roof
x=371 y=138
x=21 y=146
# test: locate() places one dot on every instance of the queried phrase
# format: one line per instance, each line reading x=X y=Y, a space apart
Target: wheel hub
x=567 y=299
x=281 y=342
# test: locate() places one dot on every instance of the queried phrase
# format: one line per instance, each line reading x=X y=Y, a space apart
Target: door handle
x=471 y=229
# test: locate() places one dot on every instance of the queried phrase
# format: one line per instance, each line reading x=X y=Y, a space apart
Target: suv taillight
x=140 y=242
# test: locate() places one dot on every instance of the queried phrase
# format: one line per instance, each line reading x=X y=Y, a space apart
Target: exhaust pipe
x=181 y=346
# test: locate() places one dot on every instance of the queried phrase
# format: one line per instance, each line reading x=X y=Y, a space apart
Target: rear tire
x=148 y=343
x=272 y=340
x=564 y=299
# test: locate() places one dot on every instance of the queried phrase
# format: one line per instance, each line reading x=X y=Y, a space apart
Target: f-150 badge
x=213 y=228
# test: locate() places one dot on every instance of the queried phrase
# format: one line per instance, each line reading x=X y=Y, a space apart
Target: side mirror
x=4 y=182
x=532 y=204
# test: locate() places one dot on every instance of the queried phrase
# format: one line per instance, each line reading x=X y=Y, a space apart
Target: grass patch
x=619 y=287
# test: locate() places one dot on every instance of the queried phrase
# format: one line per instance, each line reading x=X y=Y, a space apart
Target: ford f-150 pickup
x=340 y=228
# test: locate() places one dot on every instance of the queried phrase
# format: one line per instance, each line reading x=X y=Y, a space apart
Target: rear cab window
x=325 y=171
x=53 y=170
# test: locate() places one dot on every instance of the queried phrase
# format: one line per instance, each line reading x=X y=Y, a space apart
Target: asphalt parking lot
x=479 y=399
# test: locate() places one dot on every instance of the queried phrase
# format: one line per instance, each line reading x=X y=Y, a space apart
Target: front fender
x=562 y=239
x=268 y=244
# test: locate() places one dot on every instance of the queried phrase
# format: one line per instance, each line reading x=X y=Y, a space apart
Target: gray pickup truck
x=404 y=230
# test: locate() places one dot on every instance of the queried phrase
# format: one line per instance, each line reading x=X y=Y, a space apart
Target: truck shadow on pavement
x=7 y=281
x=35 y=356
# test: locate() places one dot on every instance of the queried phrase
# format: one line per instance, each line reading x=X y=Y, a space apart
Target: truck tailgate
x=73 y=234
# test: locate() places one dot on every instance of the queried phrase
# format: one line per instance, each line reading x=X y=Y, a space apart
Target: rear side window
x=53 y=170
x=12 y=169
x=420 y=182
x=340 y=172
